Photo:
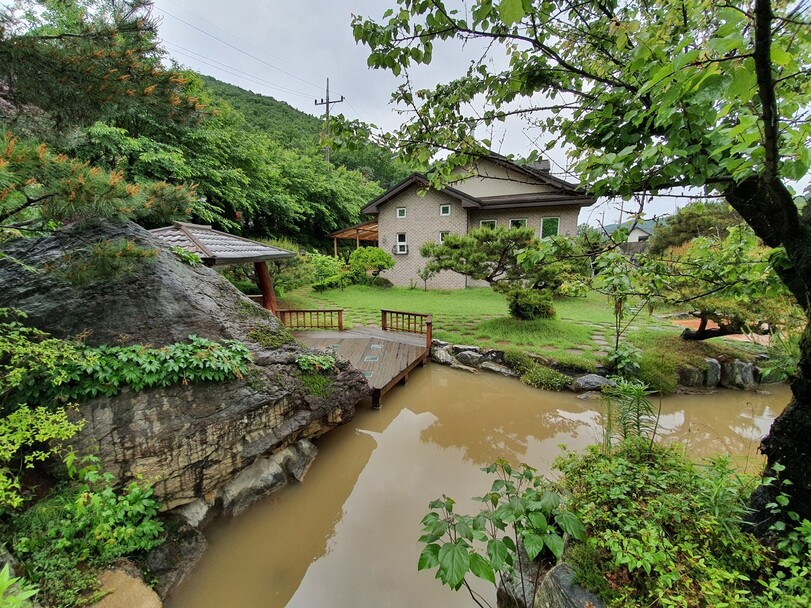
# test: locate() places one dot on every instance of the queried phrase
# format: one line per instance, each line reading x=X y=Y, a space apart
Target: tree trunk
x=769 y=209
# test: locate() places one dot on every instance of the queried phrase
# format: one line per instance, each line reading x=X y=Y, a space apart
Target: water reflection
x=346 y=537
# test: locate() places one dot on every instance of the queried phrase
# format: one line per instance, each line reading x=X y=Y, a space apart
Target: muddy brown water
x=347 y=536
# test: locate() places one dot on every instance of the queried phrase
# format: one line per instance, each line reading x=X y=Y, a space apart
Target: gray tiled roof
x=218 y=248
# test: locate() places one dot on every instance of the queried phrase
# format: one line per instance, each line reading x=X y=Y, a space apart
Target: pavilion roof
x=217 y=248
x=367 y=231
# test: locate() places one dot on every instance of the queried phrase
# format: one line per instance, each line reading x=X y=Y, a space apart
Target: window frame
x=444 y=205
x=518 y=219
x=442 y=235
x=401 y=246
x=397 y=213
x=493 y=227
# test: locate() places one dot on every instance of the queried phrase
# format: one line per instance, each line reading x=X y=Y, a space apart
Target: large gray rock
x=712 y=375
x=267 y=475
x=459 y=348
x=172 y=562
x=469 y=358
x=737 y=374
x=190 y=440
x=441 y=355
x=497 y=368
x=558 y=590
x=690 y=376
x=591 y=382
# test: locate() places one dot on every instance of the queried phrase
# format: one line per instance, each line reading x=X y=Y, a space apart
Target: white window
x=550 y=226
x=442 y=236
x=444 y=210
x=518 y=222
x=401 y=212
x=491 y=224
x=401 y=248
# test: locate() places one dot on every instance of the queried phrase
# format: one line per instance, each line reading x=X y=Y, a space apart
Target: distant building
x=640 y=230
x=498 y=193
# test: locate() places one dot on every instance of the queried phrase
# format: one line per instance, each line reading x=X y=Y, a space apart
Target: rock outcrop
x=190 y=440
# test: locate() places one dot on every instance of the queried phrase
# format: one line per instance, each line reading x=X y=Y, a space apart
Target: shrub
x=529 y=304
x=546 y=378
x=661 y=530
x=364 y=259
x=67 y=537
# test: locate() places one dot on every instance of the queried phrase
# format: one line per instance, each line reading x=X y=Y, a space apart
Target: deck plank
x=385 y=357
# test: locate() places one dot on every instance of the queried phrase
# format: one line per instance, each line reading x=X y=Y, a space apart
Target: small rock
x=458 y=348
x=441 y=355
x=439 y=343
x=498 y=369
x=691 y=376
x=126 y=589
x=712 y=375
x=591 y=382
x=198 y=513
x=495 y=356
x=466 y=368
x=590 y=396
x=558 y=590
x=297 y=458
x=737 y=374
x=252 y=483
x=468 y=357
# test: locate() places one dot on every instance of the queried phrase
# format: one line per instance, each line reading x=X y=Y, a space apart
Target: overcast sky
x=287 y=50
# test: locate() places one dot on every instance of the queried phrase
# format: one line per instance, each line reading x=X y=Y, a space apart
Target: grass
x=580 y=337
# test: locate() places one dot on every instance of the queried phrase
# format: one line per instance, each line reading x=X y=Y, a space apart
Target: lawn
x=579 y=337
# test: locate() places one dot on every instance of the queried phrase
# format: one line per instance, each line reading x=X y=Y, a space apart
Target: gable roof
x=217 y=248
x=420 y=180
x=564 y=194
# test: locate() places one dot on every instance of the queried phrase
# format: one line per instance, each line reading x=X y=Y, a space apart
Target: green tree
x=647 y=96
x=81 y=60
x=699 y=218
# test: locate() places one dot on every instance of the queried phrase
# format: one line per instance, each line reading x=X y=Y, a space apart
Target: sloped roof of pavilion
x=217 y=248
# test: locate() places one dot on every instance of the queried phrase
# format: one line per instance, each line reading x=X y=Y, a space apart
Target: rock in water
x=189 y=440
x=559 y=590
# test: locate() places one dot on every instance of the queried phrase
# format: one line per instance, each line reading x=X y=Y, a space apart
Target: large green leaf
x=482 y=568
x=454 y=563
x=497 y=552
x=511 y=11
x=429 y=558
x=571 y=524
x=533 y=544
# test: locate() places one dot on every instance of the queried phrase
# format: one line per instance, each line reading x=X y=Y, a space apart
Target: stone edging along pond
x=721 y=372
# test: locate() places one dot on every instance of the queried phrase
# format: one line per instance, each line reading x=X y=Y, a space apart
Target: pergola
x=367 y=231
x=217 y=248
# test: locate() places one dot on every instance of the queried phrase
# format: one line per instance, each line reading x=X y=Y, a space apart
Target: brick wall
x=422 y=224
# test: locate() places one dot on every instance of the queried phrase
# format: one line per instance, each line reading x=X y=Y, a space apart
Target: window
x=550 y=226
x=518 y=223
x=401 y=248
x=491 y=224
x=401 y=212
x=444 y=210
x=442 y=236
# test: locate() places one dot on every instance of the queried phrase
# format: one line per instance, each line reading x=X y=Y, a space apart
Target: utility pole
x=326 y=102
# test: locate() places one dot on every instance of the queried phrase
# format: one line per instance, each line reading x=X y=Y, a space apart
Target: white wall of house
x=422 y=224
x=495 y=180
x=636 y=235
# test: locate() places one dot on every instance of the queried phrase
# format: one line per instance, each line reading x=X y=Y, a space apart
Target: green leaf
x=555 y=544
x=533 y=544
x=538 y=521
x=429 y=558
x=481 y=567
x=497 y=552
x=454 y=563
x=511 y=11
x=571 y=524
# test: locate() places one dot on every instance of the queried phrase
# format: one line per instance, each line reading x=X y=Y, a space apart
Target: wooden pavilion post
x=265 y=282
x=357 y=239
x=335 y=246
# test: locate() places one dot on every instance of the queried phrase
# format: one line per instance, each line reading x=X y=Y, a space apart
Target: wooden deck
x=385 y=357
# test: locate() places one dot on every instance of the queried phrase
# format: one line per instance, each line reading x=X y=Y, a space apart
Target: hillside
x=296 y=129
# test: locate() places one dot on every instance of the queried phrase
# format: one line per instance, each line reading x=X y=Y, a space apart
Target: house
x=496 y=192
x=640 y=230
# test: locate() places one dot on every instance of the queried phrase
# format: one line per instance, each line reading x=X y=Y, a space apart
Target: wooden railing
x=410 y=322
x=322 y=318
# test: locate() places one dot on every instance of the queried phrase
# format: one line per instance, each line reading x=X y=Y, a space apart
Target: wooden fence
x=322 y=318
x=410 y=322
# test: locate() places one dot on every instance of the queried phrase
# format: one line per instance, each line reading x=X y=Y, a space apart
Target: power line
x=235 y=37
x=236 y=48
x=230 y=69
x=327 y=104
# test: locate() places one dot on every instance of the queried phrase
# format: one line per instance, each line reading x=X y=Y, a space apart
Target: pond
x=347 y=536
